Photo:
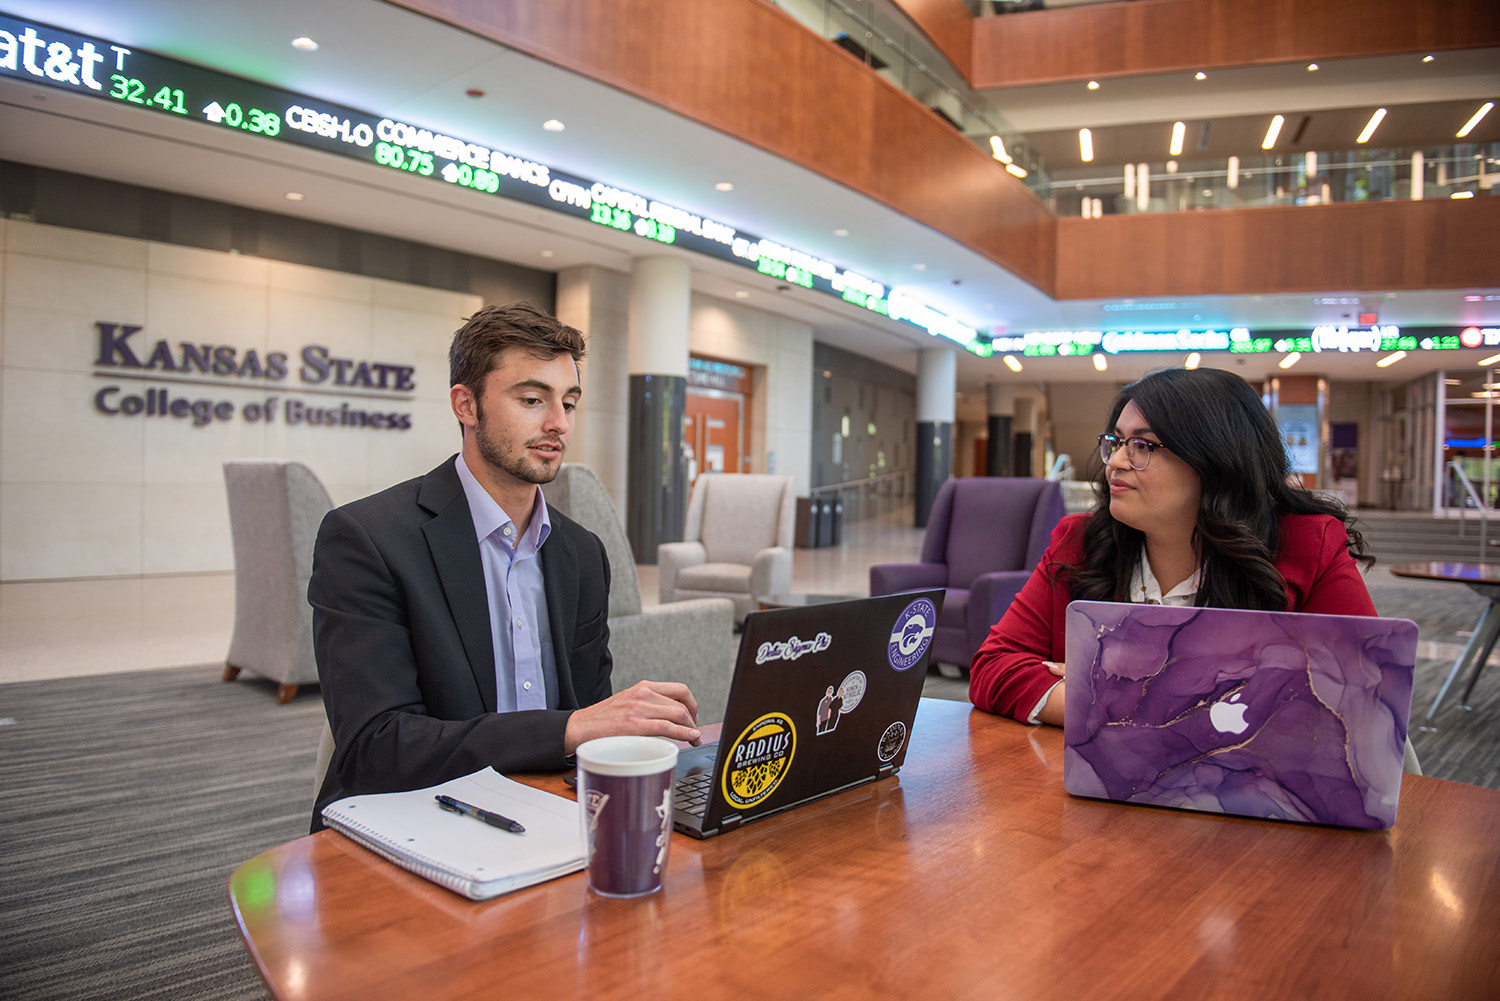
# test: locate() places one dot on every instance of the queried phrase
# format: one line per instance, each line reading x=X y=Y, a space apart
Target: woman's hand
x=1054 y=667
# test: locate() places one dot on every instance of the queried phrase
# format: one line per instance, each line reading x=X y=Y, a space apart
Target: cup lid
x=626 y=755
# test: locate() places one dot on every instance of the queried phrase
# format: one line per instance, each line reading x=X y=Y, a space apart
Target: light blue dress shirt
x=525 y=668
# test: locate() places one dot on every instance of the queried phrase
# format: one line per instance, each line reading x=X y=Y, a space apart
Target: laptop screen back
x=1260 y=714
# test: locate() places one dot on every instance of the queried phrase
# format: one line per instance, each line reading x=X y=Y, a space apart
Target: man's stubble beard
x=493 y=451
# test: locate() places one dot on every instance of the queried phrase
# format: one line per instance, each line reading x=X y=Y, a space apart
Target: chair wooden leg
x=231 y=672
x=285 y=694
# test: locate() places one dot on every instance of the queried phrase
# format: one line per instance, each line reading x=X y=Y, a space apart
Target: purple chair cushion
x=990 y=524
x=984 y=537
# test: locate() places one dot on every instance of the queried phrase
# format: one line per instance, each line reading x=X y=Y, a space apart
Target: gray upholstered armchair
x=275 y=508
x=692 y=642
x=737 y=542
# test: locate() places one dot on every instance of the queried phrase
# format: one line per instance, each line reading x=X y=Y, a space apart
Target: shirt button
x=520 y=623
x=527 y=686
x=507 y=530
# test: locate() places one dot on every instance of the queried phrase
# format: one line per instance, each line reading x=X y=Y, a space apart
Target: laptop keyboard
x=693 y=791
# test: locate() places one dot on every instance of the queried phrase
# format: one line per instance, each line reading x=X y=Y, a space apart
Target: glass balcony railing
x=1461 y=171
x=878 y=34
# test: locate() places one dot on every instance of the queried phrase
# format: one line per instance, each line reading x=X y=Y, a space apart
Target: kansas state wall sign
x=912 y=634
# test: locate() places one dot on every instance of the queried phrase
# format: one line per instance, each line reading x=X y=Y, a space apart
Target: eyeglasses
x=1137 y=450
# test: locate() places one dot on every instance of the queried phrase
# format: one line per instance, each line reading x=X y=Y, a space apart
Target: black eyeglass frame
x=1108 y=443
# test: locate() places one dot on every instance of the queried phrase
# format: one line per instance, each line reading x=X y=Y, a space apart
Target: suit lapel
x=455 y=554
x=560 y=585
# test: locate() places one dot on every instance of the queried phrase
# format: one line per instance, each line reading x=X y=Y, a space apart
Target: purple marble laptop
x=1259 y=714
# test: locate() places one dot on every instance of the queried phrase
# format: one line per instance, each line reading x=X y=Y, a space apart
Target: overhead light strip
x=1371 y=126
x=1484 y=109
x=1272 y=132
x=1085 y=145
x=1179 y=132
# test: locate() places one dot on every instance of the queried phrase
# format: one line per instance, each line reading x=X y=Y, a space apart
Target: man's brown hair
x=478 y=344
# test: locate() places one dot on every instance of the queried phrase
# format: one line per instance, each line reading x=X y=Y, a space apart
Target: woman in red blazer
x=1196 y=509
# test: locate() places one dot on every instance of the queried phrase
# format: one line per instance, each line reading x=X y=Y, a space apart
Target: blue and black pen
x=493 y=819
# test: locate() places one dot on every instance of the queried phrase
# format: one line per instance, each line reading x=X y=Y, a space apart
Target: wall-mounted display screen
x=42 y=54
x=1242 y=340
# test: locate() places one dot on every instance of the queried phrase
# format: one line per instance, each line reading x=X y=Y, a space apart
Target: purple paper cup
x=625 y=789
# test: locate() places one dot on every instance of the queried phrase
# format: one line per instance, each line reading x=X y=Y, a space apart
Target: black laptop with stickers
x=822 y=700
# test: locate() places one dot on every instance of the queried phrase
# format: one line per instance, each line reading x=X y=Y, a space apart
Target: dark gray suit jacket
x=401 y=629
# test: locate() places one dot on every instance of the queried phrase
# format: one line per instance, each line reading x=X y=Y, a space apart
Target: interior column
x=656 y=494
x=1001 y=403
x=937 y=382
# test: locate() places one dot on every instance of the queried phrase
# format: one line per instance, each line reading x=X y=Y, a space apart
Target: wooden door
x=713 y=427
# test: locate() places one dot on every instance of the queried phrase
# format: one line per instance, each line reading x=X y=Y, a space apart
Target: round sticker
x=853 y=687
x=912 y=634
x=891 y=741
x=759 y=759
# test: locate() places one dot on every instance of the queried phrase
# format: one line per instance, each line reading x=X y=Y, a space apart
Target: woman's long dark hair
x=1215 y=422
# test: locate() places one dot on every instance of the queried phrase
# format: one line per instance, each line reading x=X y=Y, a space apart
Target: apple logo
x=1229 y=716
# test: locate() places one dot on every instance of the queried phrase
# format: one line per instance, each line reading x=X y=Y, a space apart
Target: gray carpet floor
x=130 y=799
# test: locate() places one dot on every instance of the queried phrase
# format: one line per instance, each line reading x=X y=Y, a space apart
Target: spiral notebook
x=459 y=852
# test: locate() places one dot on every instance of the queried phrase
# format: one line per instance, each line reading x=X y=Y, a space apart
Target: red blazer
x=1007 y=676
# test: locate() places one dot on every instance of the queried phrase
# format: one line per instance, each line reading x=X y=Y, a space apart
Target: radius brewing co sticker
x=759 y=759
x=912 y=634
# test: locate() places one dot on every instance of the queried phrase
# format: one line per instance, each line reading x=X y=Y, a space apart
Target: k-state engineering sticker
x=759 y=759
x=912 y=634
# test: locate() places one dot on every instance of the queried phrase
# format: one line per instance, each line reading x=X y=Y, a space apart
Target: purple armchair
x=984 y=537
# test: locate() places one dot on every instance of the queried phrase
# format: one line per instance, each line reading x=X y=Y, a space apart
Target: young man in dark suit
x=457 y=621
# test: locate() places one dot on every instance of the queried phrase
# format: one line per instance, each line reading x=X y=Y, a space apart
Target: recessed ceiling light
x=1462 y=194
x=294 y=196
x=1200 y=75
x=1428 y=59
x=741 y=294
x=724 y=186
x=1390 y=359
x=1085 y=146
x=304 y=43
x=1312 y=67
x=1012 y=363
x=1192 y=361
x=997 y=148
x=1100 y=363
x=1488 y=361
x=553 y=125
x=1016 y=168
x=841 y=232
x=549 y=253
x=1179 y=131
x=1093 y=85
x=1290 y=360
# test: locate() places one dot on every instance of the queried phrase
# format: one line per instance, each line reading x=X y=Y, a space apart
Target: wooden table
x=972 y=874
x=1483 y=578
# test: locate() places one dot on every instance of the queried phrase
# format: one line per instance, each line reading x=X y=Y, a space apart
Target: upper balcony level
x=901 y=102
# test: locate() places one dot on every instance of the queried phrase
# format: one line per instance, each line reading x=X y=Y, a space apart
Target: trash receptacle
x=824 y=516
x=807 y=524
